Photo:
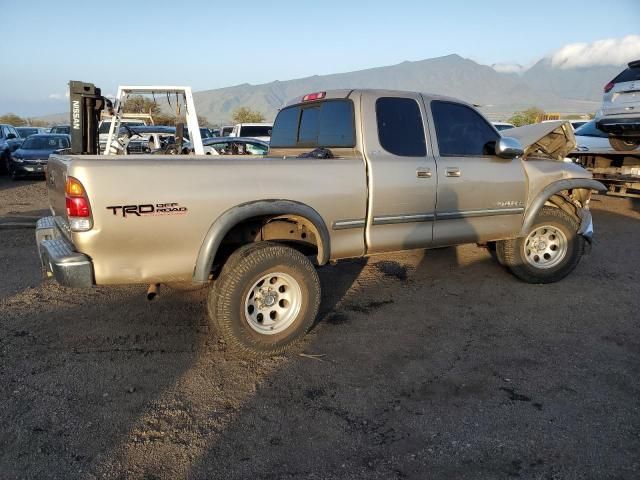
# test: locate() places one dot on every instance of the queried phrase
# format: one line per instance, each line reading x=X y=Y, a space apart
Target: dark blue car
x=32 y=156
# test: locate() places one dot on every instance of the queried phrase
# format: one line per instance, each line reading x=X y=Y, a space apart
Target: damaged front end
x=554 y=181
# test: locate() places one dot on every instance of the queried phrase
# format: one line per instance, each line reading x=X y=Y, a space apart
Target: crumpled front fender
x=556 y=187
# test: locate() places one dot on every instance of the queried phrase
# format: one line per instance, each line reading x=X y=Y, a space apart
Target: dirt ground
x=433 y=365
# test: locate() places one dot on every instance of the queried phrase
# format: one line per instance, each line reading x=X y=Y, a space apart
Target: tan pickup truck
x=350 y=173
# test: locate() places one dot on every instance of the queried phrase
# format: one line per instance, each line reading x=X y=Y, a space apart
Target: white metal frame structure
x=190 y=113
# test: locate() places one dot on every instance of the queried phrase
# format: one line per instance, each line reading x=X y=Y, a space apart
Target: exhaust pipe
x=153 y=291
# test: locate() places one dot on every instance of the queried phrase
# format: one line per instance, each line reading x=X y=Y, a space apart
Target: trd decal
x=148 y=209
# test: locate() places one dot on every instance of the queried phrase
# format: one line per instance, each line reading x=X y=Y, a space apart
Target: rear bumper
x=29 y=168
x=58 y=257
x=620 y=126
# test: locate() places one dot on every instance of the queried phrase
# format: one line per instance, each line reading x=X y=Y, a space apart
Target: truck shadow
x=445 y=353
x=414 y=350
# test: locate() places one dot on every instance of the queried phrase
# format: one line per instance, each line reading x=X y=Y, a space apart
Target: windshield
x=25 y=132
x=45 y=143
x=104 y=126
x=255 y=131
x=589 y=129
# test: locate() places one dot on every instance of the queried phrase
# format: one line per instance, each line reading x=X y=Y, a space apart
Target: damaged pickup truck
x=350 y=173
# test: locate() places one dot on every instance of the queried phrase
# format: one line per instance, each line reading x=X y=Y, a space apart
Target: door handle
x=452 y=172
x=423 y=172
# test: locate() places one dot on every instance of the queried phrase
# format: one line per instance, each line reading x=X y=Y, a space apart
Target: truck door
x=401 y=172
x=481 y=196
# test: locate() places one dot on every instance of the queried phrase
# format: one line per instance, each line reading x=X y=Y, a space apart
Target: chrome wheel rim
x=273 y=302
x=545 y=247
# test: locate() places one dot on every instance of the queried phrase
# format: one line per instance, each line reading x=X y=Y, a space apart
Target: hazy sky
x=216 y=44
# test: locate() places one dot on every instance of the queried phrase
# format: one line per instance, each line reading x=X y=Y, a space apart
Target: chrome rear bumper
x=58 y=257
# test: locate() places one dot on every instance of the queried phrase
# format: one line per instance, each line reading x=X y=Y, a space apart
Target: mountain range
x=498 y=94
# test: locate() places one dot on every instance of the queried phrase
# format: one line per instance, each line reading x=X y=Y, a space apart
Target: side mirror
x=507 y=147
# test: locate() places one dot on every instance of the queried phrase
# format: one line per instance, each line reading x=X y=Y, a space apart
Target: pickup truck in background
x=349 y=173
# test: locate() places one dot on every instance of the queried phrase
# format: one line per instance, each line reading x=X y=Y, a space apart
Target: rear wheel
x=265 y=300
x=549 y=252
x=623 y=144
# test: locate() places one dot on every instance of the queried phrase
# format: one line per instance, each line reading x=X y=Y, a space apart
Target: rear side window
x=400 y=129
x=631 y=74
x=322 y=124
x=461 y=131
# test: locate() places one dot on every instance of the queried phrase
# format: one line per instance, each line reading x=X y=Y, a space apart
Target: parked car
x=66 y=129
x=619 y=115
x=24 y=132
x=204 y=132
x=9 y=141
x=225 y=130
x=260 y=131
x=105 y=125
x=502 y=125
x=589 y=138
x=574 y=123
x=33 y=154
x=234 y=146
x=350 y=173
x=578 y=123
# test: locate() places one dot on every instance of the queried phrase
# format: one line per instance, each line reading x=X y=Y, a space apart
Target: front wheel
x=549 y=252
x=623 y=144
x=265 y=300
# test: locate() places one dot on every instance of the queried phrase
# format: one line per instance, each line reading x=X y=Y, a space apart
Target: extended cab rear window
x=320 y=124
x=400 y=130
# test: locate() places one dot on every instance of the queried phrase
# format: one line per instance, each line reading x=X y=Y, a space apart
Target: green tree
x=246 y=115
x=162 y=118
x=13 y=119
x=139 y=104
x=526 y=117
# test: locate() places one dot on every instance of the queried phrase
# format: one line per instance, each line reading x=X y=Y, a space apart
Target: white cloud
x=59 y=96
x=508 y=67
x=611 y=51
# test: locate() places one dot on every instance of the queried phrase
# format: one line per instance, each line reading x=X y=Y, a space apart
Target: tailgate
x=56 y=183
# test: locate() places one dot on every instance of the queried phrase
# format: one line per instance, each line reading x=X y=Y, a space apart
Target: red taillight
x=608 y=87
x=78 y=207
x=309 y=97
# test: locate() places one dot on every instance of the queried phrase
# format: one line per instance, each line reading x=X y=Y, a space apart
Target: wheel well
x=292 y=230
x=571 y=201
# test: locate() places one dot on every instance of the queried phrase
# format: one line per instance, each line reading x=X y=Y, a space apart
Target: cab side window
x=400 y=129
x=461 y=131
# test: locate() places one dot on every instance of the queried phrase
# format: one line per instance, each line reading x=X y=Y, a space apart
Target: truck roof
x=345 y=93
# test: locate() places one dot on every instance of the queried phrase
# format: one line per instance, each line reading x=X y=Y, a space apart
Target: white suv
x=620 y=112
x=260 y=131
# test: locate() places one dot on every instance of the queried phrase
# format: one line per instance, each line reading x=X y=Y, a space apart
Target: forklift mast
x=86 y=102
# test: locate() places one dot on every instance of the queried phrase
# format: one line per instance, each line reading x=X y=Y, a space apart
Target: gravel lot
x=433 y=365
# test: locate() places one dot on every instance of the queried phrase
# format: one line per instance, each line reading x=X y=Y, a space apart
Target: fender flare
x=553 y=188
x=230 y=218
